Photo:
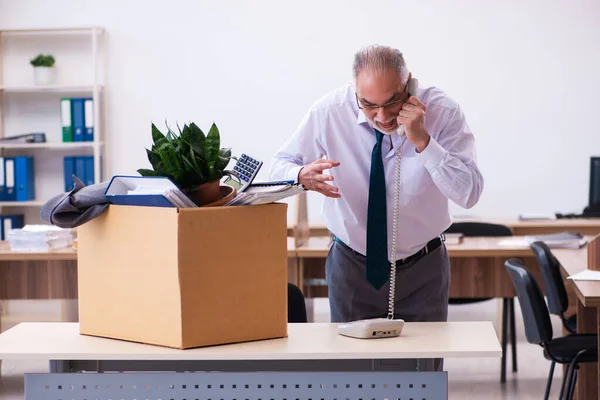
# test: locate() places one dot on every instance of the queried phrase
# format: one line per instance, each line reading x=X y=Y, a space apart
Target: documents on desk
x=536 y=217
x=562 y=240
x=586 y=275
x=266 y=192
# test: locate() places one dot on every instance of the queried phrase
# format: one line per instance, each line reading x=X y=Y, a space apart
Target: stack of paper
x=562 y=240
x=586 y=275
x=536 y=217
x=39 y=238
x=266 y=192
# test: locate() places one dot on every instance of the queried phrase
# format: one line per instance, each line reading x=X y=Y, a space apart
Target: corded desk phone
x=385 y=327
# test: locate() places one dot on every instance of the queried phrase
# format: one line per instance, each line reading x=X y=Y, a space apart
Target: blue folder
x=78 y=117
x=2 y=180
x=24 y=178
x=88 y=118
x=80 y=168
x=10 y=192
x=88 y=170
x=69 y=170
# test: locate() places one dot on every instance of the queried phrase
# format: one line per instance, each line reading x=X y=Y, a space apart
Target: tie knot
x=379 y=136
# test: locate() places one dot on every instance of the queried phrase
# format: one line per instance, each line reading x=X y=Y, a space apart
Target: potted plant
x=43 y=69
x=192 y=161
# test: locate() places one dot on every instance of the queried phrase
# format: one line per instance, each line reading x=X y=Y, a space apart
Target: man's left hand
x=412 y=116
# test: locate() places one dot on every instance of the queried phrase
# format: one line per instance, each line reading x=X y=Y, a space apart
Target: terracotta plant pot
x=227 y=194
x=206 y=193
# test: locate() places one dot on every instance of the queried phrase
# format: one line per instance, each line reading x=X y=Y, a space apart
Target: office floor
x=474 y=378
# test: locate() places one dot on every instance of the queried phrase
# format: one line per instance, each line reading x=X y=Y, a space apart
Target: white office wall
x=527 y=74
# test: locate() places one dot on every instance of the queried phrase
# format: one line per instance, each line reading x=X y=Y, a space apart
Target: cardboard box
x=184 y=278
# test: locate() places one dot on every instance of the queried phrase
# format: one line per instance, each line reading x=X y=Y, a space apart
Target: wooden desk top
x=574 y=261
x=6 y=254
x=291 y=247
x=515 y=222
x=309 y=341
x=513 y=246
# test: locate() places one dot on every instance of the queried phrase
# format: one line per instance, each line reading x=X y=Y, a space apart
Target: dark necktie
x=377 y=244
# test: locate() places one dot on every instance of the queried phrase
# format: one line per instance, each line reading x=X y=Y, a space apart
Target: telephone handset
x=412 y=88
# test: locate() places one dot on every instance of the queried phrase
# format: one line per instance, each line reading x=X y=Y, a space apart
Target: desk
x=476 y=272
x=42 y=275
x=53 y=274
x=585 y=226
x=588 y=314
x=477 y=266
x=312 y=362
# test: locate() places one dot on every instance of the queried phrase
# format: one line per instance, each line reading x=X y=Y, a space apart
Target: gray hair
x=380 y=59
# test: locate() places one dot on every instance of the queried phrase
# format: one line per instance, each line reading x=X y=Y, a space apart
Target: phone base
x=372 y=328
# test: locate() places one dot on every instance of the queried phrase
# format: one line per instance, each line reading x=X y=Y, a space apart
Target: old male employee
x=345 y=148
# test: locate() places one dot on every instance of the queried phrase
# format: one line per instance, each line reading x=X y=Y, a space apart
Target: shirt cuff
x=293 y=172
x=432 y=155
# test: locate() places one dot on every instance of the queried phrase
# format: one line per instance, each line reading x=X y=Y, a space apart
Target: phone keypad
x=246 y=167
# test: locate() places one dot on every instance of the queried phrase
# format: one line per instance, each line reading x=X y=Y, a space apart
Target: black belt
x=429 y=247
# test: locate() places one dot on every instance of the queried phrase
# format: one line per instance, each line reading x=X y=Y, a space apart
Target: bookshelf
x=49 y=88
x=80 y=72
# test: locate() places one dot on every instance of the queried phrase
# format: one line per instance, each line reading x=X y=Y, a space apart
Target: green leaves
x=213 y=142
x=189 y=158
x=147 y=172
x=157 y=136
x=197 y=138
x=43 y=60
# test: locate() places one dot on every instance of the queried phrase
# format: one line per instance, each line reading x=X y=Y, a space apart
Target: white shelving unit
x=28 y=108
x=49 y=88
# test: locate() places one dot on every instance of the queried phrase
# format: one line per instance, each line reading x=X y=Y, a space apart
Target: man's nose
x=382 y=114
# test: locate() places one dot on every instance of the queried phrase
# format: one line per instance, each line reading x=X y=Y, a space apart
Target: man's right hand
x=312 y=178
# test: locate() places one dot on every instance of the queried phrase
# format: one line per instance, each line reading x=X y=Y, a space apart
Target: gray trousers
x=422 y=288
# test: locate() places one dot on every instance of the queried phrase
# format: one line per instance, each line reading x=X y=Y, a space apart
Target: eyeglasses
x=387 y=106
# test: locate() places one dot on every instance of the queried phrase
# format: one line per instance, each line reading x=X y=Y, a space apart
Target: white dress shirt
x=335 y=128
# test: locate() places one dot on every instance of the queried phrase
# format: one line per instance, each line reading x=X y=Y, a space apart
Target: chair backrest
x=296 y=304
x=479 y=229
x=536 y=317
x=558 y=301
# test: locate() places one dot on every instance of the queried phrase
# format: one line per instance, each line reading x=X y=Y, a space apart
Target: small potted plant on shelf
x=192 y=161
x=43 y=69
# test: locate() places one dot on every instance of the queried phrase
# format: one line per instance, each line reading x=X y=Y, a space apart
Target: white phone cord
x=395 y=234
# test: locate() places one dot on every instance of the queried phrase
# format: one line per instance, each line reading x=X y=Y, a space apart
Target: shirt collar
x=361 y=119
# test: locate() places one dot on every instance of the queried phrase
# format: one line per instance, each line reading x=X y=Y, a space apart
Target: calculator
x=246 y=168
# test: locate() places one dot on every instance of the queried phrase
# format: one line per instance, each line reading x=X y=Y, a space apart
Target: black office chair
x=296 y=304
x=570 y=350
x=558 y=301
x=508 y=304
